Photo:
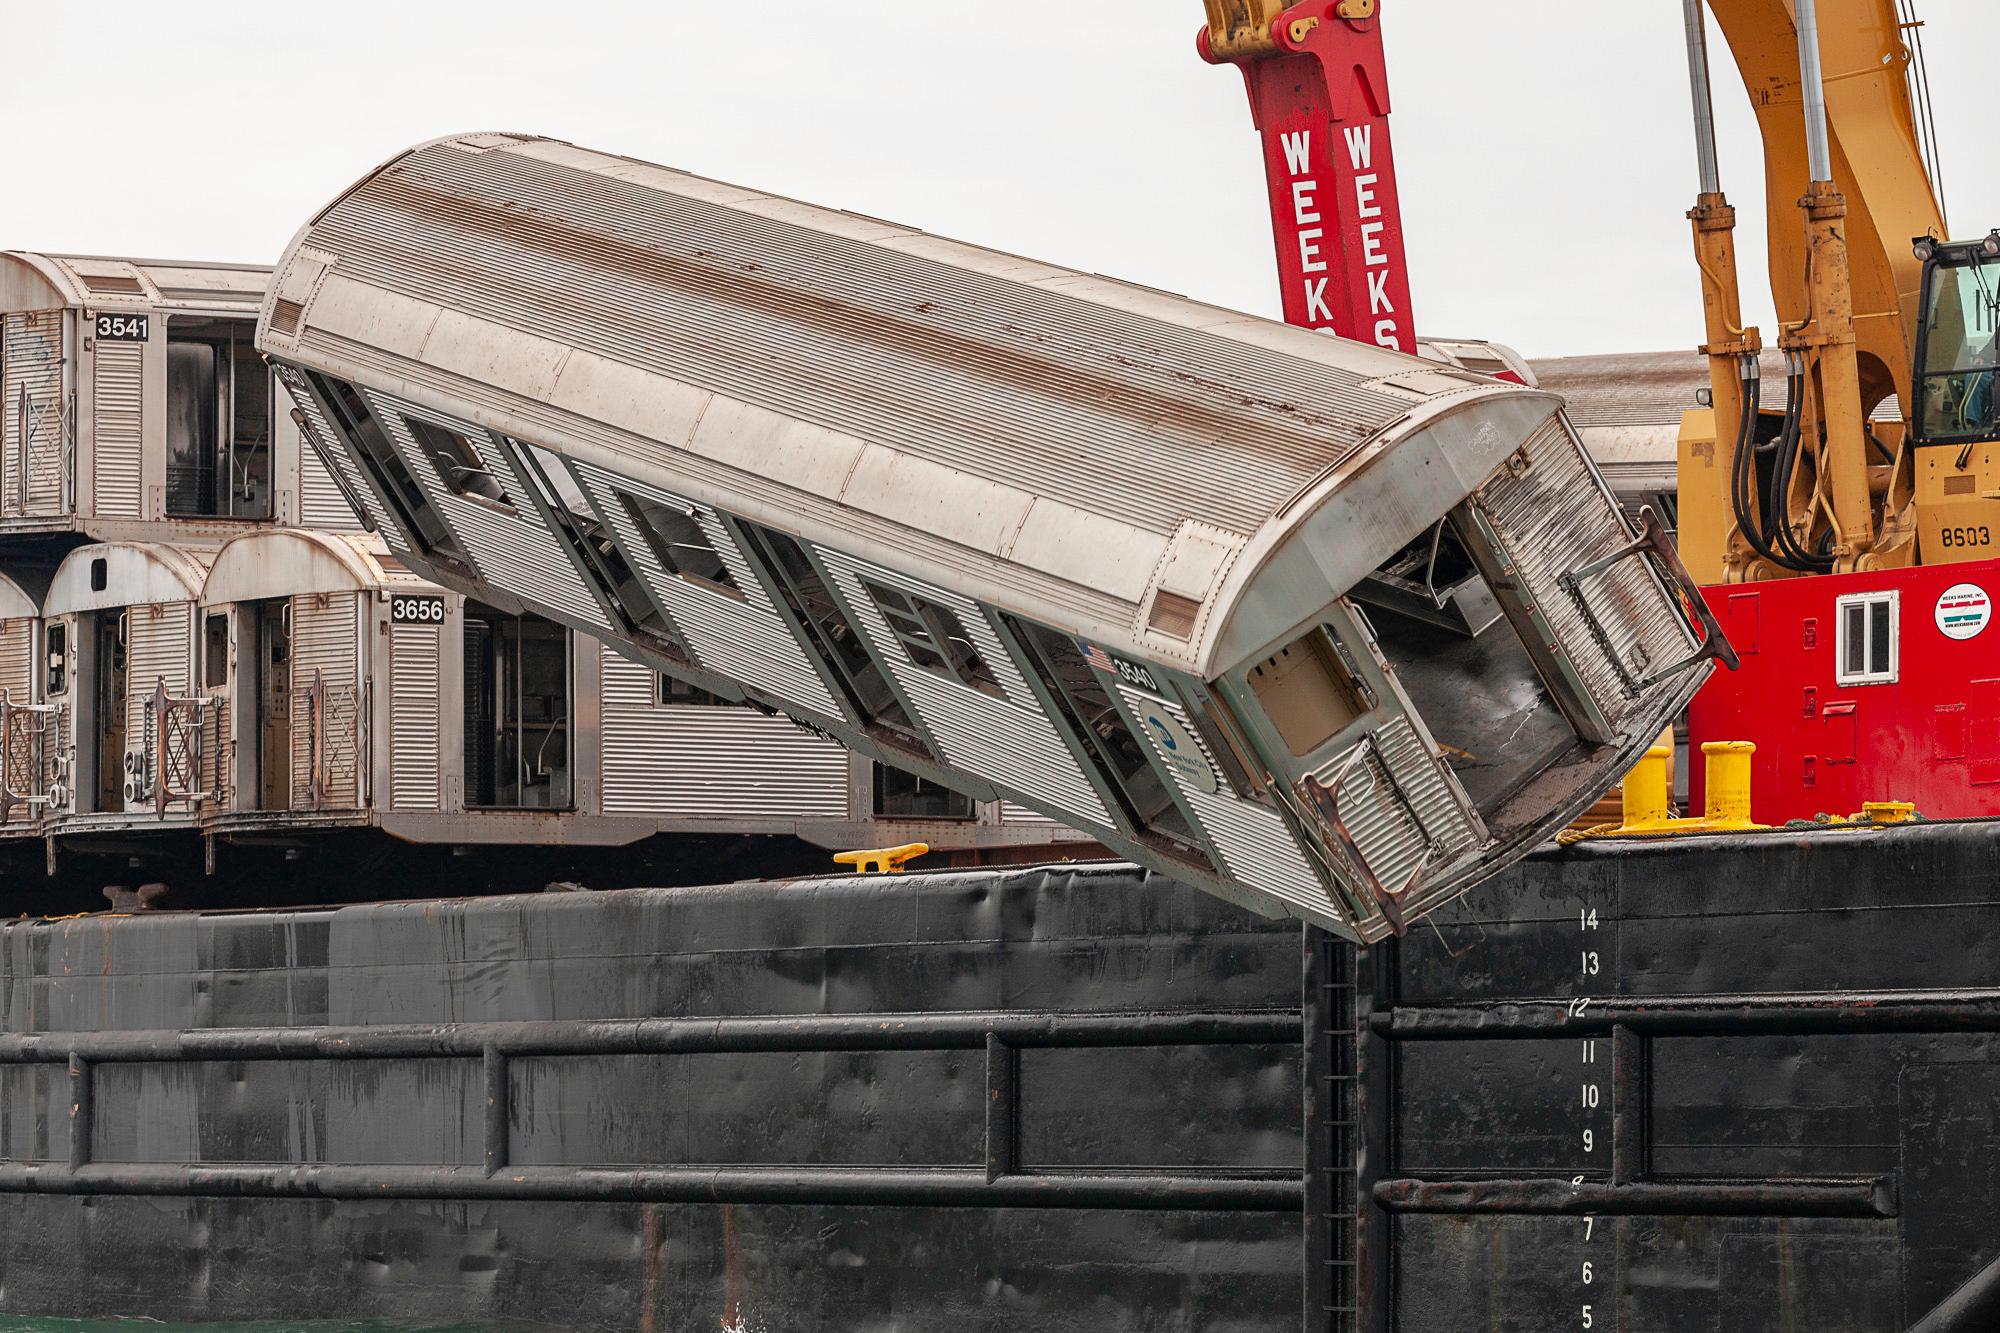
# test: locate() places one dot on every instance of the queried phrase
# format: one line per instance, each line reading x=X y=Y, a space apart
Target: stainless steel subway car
x=134 y=405
x=1091 y=549
x=290 y=682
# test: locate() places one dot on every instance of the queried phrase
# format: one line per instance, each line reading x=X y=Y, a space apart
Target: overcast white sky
x=1544 y=149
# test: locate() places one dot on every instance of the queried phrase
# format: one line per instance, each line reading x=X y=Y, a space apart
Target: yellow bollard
x=883 y=860
x=1885 y=812
x=1647 y=802
x=1728 y=769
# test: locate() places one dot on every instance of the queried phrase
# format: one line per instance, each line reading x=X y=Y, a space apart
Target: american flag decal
x=1098 y=658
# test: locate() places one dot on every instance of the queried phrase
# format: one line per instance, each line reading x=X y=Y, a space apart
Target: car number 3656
x=416 y=610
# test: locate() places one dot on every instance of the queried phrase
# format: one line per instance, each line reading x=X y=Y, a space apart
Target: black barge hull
x=1734 y=1084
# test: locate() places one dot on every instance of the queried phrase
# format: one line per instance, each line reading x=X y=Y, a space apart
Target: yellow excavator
x=1840 y=477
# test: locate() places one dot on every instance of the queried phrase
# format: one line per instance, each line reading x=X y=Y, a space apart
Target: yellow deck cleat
x=883 y=860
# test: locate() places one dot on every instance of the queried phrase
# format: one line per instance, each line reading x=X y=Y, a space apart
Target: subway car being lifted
x=1041 y=537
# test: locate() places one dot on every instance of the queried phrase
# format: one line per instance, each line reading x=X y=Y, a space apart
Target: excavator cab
x=1956 y=407
x=1957 y=349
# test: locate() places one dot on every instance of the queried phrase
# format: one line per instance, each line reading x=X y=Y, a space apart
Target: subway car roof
x=1057 y=443
x=133 y=574
x=18 y=601
x=282 y=562
x=32 y=281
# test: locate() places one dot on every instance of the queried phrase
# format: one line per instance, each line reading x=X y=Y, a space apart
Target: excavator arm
x=1831 y=488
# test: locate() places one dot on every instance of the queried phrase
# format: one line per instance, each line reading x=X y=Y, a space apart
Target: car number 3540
x=416 y=610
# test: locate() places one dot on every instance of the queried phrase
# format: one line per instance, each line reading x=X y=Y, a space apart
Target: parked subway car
x=134 y=406
x=1035 y=535
x=292 y=681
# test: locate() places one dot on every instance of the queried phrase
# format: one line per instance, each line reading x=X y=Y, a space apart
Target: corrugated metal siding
x=324 y=647
x=514 y=551
x=1397 y=838
x=1009 y=743
x=1021 y=814
x=742 y=638
x=414 y=709
x=31 y=348
x=219 y=760
x=17 y=659
x=320 y=501
x=1254 y=842
x=1557 y=517
x=156 y=650
x=118 y=385
x=321 y=505
x=717 y=762
x=1023 y=384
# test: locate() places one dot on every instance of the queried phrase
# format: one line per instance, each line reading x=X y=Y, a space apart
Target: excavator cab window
x=1957 y=353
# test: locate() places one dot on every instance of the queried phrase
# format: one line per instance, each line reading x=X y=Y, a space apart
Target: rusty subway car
x=1085 y=548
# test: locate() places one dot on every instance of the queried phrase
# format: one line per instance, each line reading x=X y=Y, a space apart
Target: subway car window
x=215 y=650
x=517 y=711
x=677 y=540
x=900 y=795
x=218 y=421
x=58 y=647
x=458 y=463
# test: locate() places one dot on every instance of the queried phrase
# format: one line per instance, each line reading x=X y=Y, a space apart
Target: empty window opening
x=1306 y=692
x=673 y=533
x=847 y=661
x=593 y=548
x=1120 y=757
x=679 y=694
x=1869 y=638
x=457 y=461
x=900 y=795
x=934 y=638
x=347 y=411
x=517 y=711
x=100 y=574
x=219 y=451
x=58 y=653
x=215 y=650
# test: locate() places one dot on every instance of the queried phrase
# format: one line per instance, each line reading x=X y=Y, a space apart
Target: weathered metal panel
x=1398 y=808
x=710 y=762
x=17 y=659
x=510 y=544
x=158 y=648
x=1254 y=842
x=321 y=503
x=1550 y=517
x=118 y=428
x=35 y=423
x=1010 y=741
x=742 y=637
x=415 y=743
x=327 y=713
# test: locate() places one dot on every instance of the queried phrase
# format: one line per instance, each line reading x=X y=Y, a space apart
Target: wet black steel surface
x=1067 y=1099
